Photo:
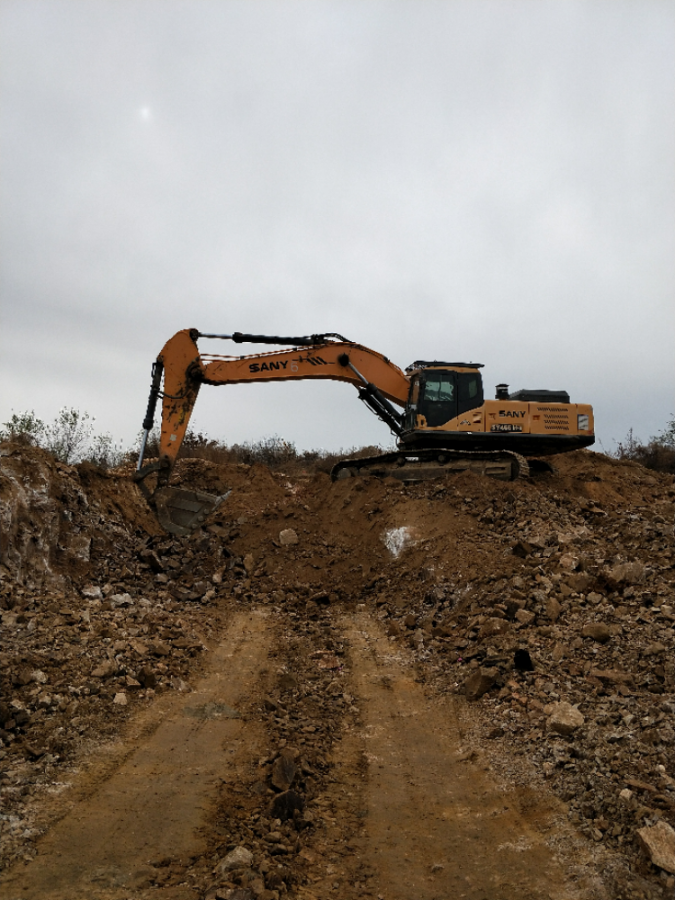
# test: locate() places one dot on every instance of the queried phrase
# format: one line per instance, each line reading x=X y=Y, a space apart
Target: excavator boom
x=184 y=369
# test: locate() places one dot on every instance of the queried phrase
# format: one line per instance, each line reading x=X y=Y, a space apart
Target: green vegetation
x=275 y=452
x=70 y=438
x=658 y=453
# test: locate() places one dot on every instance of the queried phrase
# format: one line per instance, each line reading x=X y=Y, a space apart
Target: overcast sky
x=484 y=180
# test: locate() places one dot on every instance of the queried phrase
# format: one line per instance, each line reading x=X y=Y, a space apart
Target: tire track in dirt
x=436 y=823
x=153 y=805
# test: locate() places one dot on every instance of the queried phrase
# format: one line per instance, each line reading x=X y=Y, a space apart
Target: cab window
x=470 y=391
x=438 y=389
x=438 y=400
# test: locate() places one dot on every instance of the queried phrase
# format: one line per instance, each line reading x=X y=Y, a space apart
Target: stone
x=522 y=549
x=560 y=651
x=120 y=699
x=284 y=805
x=525 y=617
x=624 y=574
x=552 y=608
x=492 y=627
x=522 y=661
x=92 y=592
x=283 y=770
x=596 y=630
x=22 y=678
x=159 y=648
x=579 y=581
x=105 y=670
x=239 y=858
x=565 y=718
x=567 y=561
x=287 y=537
x=480 y=682
x=612 y=675
x=150 y=558
x=120 y=600
x=659 y=843
x=147 y=678
x=184 y=643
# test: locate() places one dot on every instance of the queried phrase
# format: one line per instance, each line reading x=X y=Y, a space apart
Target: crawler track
x=425 y=465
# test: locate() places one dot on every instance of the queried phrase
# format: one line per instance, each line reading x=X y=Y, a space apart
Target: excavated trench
x=353 y=689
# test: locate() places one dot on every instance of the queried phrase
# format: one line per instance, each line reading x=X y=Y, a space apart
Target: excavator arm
x=183 y=369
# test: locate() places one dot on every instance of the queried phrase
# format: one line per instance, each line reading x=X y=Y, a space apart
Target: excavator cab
x=441 y=394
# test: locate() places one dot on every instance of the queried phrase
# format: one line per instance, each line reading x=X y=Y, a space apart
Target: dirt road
x=151 y=802
x=438 y=823
x=407 y=809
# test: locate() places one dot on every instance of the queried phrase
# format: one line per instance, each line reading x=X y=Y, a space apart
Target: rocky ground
x=542 y=611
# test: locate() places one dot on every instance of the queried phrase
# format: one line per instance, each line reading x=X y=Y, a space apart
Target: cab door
x=438 y=397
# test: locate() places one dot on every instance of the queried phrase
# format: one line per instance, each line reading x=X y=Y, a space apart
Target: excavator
x=442 y=422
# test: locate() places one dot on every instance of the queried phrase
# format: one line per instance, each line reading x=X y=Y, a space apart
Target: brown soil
x=350 y=713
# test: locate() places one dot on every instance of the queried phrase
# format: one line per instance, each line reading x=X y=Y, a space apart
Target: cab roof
x=437 y=364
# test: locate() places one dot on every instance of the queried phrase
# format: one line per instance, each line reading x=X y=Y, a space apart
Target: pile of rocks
x=548 y=604
x=565 y=640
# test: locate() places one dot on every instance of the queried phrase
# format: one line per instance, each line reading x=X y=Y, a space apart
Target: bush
x=69 y=435
x=24 y=427
x=274 y=452
x=69 y=438
x=658 y=454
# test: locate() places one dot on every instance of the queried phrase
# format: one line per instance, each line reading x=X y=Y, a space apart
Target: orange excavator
x=436 y=409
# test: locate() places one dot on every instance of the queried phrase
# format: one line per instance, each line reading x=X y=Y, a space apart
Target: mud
x=364 y=708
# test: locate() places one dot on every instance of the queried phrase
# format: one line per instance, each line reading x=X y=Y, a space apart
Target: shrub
x=25 y=427
x=69 y=435
x=274 y=452
x=657 y=454
x=70 y=438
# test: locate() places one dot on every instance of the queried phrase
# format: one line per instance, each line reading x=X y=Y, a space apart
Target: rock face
x=565 y=718
x=659 y=842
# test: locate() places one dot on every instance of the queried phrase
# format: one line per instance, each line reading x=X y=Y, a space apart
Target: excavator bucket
x=181 y=511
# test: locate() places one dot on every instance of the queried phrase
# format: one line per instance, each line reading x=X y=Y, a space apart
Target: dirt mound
x=548 y=604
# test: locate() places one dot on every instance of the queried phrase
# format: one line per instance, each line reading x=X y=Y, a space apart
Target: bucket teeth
x=180 y=511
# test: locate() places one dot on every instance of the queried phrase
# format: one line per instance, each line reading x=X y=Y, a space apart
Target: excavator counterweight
x=436 y=410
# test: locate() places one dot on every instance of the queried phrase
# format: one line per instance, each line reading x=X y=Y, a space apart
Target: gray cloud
x=486 y=180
